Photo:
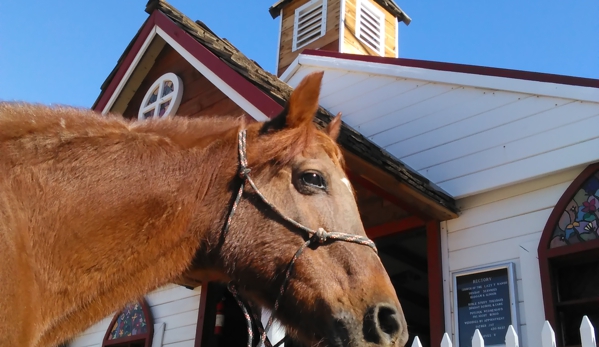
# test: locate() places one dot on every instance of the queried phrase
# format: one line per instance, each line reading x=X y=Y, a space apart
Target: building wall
x=174 y=306
x=286 y=55
x=467 y=140
x=504 y=226
x=200 y=96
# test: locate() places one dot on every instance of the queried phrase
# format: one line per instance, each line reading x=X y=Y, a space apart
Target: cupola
x=368 y=27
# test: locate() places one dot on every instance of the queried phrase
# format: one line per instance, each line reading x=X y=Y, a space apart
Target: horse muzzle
x=382 y=325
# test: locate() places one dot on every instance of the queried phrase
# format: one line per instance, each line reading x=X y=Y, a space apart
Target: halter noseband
x=315 y=236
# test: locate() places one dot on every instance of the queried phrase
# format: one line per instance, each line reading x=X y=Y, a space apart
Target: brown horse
x=97 y=211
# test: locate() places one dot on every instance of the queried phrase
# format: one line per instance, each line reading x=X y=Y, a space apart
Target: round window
x=163 y=97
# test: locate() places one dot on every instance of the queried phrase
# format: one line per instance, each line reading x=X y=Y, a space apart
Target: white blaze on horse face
x=347 y=184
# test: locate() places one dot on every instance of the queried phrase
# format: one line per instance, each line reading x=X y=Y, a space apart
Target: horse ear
x=334 y=127
x=302 y=104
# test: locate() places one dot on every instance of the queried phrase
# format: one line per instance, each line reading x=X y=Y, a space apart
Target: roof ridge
x=280 y=92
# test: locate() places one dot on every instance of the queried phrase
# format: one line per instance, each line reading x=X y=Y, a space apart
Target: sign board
x=485 y=299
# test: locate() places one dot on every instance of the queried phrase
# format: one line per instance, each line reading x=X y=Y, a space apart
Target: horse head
x=338 y=293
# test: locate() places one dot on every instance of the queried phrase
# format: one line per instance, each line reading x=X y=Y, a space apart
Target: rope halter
x=318 y=236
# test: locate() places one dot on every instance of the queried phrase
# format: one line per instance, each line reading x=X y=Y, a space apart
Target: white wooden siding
x=466 y=139
x=92 y=336
x=175 y=306
x=493 y=227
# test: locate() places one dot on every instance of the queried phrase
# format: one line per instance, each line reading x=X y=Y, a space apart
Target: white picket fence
x=587 y=337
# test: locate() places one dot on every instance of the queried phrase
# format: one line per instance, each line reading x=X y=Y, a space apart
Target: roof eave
x=275 y=9
x=537 y=83
x=270 y=94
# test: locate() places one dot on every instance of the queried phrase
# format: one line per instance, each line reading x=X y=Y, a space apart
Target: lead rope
x=319 y=236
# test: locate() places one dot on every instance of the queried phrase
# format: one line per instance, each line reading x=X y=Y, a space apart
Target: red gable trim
x=143 y=35
x=241 y=85
x=471 y=69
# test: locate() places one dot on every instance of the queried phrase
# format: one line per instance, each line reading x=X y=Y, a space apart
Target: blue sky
x=59 y=52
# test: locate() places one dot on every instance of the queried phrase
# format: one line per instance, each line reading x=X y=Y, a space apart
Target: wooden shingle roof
x=279 y=91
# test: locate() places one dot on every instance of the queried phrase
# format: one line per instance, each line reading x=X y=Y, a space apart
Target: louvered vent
x=370 y=27
x=310 y=23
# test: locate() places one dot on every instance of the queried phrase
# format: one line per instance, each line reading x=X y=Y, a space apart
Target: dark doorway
x=234 y=328
x=404 y=256
x=409 y=257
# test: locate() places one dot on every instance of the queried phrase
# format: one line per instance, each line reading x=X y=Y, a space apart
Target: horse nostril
x=382 y=324
x=388 y=320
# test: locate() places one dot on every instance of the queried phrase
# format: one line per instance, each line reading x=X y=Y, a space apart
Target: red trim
x=547 y=290
x=545 y=253
x=241 y=85
x=247 y=90
x=201 y=314
x=123 y=340
x=141 y=38
x=471 y=69
x=147 y=337
x=395 y=227
x=575 y=248
x=435 y=282
x=561 y=205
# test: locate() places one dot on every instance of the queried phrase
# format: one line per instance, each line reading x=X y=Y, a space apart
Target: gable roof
x=469 y=129
x=389 y=5
x=461 y=68
x=278 y=91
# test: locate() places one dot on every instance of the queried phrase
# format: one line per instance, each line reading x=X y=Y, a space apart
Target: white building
x=508 y=145
x=504 y=178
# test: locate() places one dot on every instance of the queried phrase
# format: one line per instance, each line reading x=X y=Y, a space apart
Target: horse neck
x=197 y=208
x=217 y=166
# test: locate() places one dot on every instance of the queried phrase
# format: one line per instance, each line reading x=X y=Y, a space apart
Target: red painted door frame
x=203 y=321
x=435 y=282
x=435 y=288
x=435 y=266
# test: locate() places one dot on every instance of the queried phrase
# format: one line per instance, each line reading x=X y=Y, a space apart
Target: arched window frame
x=173 y=98
x=147 y=336
x=547 y=254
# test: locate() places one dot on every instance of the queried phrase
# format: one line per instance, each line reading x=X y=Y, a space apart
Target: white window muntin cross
x=174 y=97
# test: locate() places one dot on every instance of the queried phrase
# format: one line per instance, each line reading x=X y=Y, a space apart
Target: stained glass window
x=162 y=98
x=163 y=108
x=578 y=222
x=167 y=88
x=569 y=258
x=153 y=98
x=132 y=324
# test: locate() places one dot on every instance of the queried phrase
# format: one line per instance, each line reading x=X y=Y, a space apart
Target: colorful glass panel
x=167 y=88
x=148 y=114
x=578 y=222
x=129 y=323
x=153 y=98
x=163 y=108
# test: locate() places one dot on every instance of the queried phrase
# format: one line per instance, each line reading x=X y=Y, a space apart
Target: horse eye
x=313 y=179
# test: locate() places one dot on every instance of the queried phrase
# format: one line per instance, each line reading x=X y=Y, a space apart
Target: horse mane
x=19 y=120
x=51 y=126
x=297 y=141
